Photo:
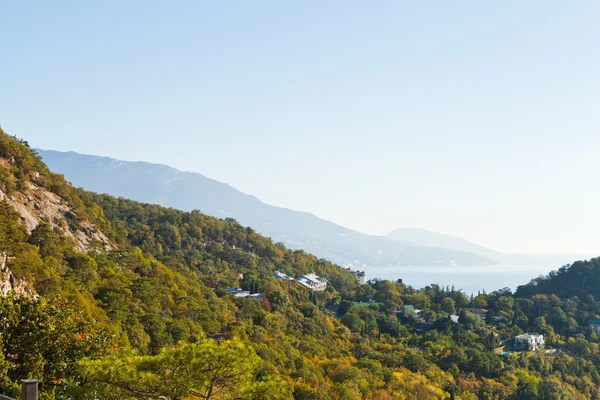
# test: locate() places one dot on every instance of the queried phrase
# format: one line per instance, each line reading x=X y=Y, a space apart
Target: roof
x=313 y=278
x=594 y=321
x=238 y=292
x=527 y=336
x=282 y=276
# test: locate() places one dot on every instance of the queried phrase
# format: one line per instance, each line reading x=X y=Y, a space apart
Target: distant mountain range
x=161 y=184
x=433 y=239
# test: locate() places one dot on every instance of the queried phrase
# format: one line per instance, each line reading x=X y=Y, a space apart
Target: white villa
x=313 y=282
x=529 y=341
x=237 y=292
x=310 y=281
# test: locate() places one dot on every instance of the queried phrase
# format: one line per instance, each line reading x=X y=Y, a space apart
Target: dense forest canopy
x=148 y=315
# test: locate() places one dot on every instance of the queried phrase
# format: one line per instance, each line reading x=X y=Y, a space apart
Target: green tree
x=203 y=370
x=447 y=305
x=44 y=339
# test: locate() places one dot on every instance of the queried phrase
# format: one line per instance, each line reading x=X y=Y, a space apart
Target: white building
x=360 y=276
x=280 y=276
x=257 y=296
x=313 y=282
x=239 y=293
x=529 y=341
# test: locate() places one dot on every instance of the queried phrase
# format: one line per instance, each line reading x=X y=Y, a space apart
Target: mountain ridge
x=120 y=322
x=427 y=237
x=167 y=186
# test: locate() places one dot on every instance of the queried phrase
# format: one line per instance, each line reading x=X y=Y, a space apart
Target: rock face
x=8 y=282
x=39 y=204
x=35 y=204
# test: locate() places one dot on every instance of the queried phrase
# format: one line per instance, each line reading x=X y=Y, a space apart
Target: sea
x=471 y=279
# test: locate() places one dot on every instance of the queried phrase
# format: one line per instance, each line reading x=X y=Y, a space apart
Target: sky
x=477 y=119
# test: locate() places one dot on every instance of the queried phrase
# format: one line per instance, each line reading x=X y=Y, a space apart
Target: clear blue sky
x=474 y=118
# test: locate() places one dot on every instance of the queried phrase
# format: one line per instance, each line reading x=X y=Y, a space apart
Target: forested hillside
x=109 y=298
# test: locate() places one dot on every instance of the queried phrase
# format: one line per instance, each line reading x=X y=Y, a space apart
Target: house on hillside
x=529 y=341
x=280 y=276
x=595 y=325
x=410 y=309
x=257 y=296
x=480 y=312
x=310 y=281
x=239 y=293
x=313 y=282
x=360 y=276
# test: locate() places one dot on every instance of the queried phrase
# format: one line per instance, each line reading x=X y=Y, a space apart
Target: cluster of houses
x=527 y=341
x=309 y=281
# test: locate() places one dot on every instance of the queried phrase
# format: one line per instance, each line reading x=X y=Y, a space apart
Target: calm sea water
x=470 y=279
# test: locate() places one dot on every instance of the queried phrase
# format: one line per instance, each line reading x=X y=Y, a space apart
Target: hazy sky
x=474 y=118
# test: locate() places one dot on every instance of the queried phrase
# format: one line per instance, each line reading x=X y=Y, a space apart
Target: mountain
x=160 y=184
x=109 y=298
x=428 y=238
x=93 y=287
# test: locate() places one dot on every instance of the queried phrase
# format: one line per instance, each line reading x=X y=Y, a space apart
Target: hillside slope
x=121 y=300
x=130 y=276
x=160 y=184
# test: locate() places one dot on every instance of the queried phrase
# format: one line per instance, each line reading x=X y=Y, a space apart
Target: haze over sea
x=470 y=279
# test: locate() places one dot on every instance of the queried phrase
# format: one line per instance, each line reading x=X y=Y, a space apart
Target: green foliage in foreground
x=45 y=339
x=202 y=370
